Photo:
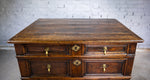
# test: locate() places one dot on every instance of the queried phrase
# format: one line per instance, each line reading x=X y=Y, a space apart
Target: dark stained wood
x=111 y=49
x=60 y=35
x=132 y=48
x=41 y=48
x=38 y=49
x=20 y=50
x=128 y=66
x=129 y=63
x=79 y=52
x=24 y=68
x=95 y=66
x=75 y=31
x=114 y=56
x=76 y=70
x=117 y=77
x=58 y=68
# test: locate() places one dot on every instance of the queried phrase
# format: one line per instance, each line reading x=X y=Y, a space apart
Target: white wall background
x=17 y=14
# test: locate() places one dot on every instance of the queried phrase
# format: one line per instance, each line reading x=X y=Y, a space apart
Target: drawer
x=46 y=50
x=50 y=68
x=103 y=67
x=105 y=49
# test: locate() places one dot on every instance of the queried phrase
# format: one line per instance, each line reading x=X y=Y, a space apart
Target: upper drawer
x=103 y=66
x=46 y=50
x=49 y=50
x=105 y=49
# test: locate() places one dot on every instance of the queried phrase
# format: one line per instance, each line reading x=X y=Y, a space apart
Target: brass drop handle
x=46 y=51
x=105 y=50
x=104 y=67
x=48 y=67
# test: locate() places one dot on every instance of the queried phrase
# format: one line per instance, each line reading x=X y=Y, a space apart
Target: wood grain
x=75 y=31
x=60 y=35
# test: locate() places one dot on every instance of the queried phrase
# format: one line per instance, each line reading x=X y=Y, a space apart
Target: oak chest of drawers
x=75 y=49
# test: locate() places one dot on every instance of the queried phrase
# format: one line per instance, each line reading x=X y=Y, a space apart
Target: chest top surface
x=75 y=31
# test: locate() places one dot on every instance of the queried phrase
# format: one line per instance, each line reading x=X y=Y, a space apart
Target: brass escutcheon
x=75 y=48
x=77 y=62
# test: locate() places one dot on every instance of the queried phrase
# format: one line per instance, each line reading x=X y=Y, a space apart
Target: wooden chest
x=75 y=49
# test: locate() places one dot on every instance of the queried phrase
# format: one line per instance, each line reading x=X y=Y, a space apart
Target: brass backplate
x=77 y=62
x=76 y=48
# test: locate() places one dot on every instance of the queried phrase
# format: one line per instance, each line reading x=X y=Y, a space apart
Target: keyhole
x=76 y=62
x=75 y=48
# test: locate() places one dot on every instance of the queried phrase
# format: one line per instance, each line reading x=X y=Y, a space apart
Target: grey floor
x=9 y=68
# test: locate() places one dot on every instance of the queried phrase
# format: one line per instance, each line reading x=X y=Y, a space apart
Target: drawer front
x=50 y=68
x=106 y=49
x=46 y=50
x=100 y=67
x=76 y=49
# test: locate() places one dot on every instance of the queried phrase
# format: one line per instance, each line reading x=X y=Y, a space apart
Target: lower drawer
x=50 y=68
x=74 y=67
x=103 y=67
